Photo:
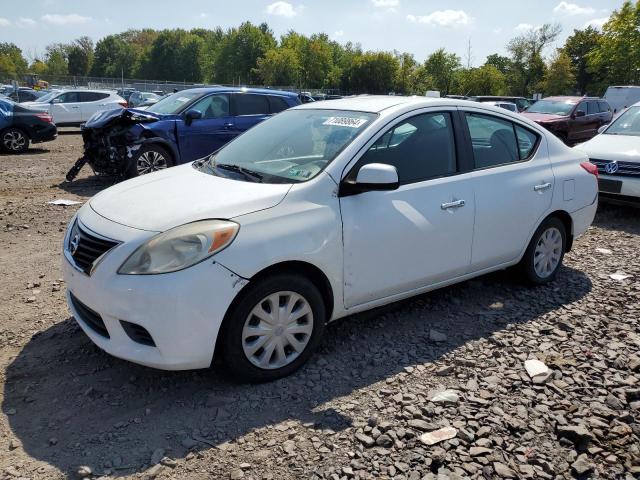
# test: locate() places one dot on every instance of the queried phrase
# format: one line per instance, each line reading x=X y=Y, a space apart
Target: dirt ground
x=362 y=407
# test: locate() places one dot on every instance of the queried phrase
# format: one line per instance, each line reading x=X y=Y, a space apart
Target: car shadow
x=71 y=404
x=89 y=186
x=622 y=218
x=30 y=151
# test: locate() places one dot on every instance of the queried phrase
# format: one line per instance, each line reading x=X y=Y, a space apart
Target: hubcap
x=546 y=257
x=150 y=161
x=14 y=140
x=277 y=330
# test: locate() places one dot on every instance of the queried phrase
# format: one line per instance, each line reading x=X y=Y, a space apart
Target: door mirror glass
x=192 y=115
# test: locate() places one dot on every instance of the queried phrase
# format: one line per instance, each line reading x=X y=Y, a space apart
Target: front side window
x=592 y=108
x=68 y=97
x=420 y=148
x=493 y=140
x=249 y=104
x=582 y=108
x=213 y=106
x=291 y=147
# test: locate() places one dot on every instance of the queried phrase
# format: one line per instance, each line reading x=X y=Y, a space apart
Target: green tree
x=80 y=56
x=559 y=78
x=502 y=63
x=578 y=47
x=440 y=67
x=113 y=57
x=617 y=55
x=56 y=59
x=527 y=63
x=484 y=80
x=12 y=63
x=372 y=72
x=280 y=66
x=407 y=66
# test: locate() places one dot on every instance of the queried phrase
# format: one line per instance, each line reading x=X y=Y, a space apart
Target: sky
x=415 y=26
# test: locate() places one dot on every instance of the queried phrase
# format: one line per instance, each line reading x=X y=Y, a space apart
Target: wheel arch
x=567 y=221
x=149 y=139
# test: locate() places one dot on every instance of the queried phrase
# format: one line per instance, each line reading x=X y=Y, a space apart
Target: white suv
x=73 y=107
x=324 y=210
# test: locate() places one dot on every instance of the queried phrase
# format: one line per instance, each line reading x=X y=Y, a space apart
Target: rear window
x=277 y=104
x=250 y=104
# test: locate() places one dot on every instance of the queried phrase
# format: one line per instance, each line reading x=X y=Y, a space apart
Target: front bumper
x=181 y=311
x=629 y=193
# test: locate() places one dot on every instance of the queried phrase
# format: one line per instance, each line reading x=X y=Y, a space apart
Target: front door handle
x=542 y=187
x=455 y=204
x=228 y=126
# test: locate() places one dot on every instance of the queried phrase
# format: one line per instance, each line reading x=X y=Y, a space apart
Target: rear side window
x=604 y=107
x=277 y=104
x=91 y=96
x=249 y=104
x=420 y=148
x=592 y=108
x=493 y=140
x=527 y=141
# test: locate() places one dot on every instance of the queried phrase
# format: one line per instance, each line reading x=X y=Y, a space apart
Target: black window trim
x=461 y=150
x=514 y=123
x=234 y=109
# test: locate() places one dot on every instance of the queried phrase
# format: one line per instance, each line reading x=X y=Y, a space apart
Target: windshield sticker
x=345 y=122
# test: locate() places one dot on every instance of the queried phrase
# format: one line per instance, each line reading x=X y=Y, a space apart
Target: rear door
x=66 y=108
x=513 y=184
x=205 y=135
x=248 y=109
x=92 y=102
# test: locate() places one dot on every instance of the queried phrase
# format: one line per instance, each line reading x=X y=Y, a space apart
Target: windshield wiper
x=249 y=174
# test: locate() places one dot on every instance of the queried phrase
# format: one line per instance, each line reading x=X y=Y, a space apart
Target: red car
x=572 y=119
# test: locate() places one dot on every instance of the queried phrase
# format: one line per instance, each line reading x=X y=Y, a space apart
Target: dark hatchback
x=572 y=119
x=180 y=128
x=20 y=126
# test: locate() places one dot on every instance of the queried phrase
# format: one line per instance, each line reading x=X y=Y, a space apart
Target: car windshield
x=552 y=107
x=47 y=97
x=174 y=103
x=293 y=146
x=628 y=123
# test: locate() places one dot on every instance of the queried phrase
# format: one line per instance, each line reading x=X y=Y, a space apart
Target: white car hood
x=625 y=148
x=179 y=195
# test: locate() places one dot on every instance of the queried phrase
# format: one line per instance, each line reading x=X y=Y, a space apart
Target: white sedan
x=73 y=107
x=318 y=213
x=616 y=153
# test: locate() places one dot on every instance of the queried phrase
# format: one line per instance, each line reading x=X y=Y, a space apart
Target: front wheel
x=150 y=158
x=15 y=140
x=545 y=252
x=273 y=328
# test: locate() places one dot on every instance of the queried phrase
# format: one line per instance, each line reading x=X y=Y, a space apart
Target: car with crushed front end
x=324 y=210
x=180 y=128
x=616 y=153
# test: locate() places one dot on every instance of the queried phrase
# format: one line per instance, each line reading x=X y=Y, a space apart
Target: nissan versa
x=322 y=211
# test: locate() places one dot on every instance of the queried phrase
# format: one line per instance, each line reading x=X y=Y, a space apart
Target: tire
x=247 y=356
x=14 y=140
x=544 y=255
x=150 y=158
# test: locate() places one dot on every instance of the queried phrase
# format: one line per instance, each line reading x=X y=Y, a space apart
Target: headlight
x=180 y=247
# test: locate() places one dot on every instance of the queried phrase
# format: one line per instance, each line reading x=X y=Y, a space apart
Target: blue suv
x=180 y=128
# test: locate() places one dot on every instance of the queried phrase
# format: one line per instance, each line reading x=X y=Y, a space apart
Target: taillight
x=45 y=117
x=590 y=167
x=123 y=104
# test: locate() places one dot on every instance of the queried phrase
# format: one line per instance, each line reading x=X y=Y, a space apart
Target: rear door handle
x=455 y=204
x=542 y=187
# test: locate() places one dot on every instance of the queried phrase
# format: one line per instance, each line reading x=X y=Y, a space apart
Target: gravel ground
x=433 y=387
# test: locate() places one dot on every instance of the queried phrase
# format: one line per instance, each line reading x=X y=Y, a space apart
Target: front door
x=66 y=108
x=513 y=185
x=420 y=234
x=205 y=135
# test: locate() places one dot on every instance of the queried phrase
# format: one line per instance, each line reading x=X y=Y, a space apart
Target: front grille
x=625 y=169
x=138 y=333
x=86 y=248
x=92 y=319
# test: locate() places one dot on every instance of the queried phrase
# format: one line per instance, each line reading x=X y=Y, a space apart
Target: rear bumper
x=583 y=218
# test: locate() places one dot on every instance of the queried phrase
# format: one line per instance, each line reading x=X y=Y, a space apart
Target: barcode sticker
x=345 y=122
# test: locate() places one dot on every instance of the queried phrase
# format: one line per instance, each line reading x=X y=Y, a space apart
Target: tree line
x=587 y=63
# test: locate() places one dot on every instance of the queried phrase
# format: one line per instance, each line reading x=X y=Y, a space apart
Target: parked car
x=24 y=94
x=319 y=212
x=521 y=102
x=138 y=98
x=146 y=104
x=622 y=97
x=73 y=107
x=183 y=127
x=616 y=153
x=20 y=126
x=512 y=107
x=125 y=93
x=572 y=119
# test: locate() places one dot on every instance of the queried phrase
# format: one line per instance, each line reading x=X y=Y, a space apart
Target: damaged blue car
x=180 y=128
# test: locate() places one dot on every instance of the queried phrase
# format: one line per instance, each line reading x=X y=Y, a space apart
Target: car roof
x=264 y=91
x=568 y=98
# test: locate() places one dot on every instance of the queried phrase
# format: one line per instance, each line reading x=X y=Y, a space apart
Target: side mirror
x=374 y=176
x=580 y=113
x=602 y=128
x=192 y=115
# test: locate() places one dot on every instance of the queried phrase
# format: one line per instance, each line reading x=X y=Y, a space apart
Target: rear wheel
x=15 y=140
x=273 y=328
x=150 y=158
x=545 y=252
